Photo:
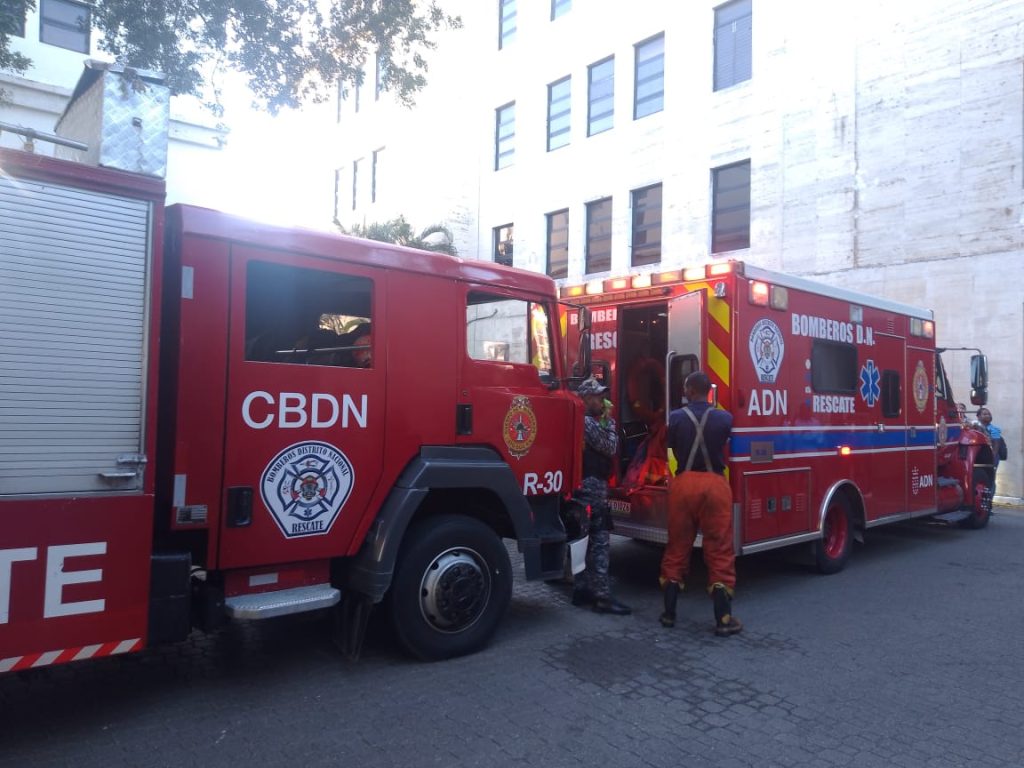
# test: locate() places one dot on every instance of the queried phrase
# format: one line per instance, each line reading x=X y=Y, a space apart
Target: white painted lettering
x=7 y=559
x=318 y=423
x=530 y=483
x=57 y=577
x=292 y=404
x=832 y=404
x=822 y=328
x=768 y=402
x=358 y=413
x=247 y=406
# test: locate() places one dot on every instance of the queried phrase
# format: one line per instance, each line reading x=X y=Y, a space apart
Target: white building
x=208 y=164
x=877 y=146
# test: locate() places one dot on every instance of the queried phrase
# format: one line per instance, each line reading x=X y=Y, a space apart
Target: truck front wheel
x=451 y=587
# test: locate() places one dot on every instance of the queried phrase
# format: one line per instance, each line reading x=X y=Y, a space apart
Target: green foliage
x=400 y=232
x=12 y=17
x=293 y=51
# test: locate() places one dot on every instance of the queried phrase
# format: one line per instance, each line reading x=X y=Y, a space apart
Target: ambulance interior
x=641 y=408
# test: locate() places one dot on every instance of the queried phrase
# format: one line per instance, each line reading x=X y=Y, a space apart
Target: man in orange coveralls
x=700 y=498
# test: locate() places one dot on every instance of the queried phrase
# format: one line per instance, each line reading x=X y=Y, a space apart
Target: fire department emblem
x=520 y=428
x=767 y=346
x=920 y=386
x=305 y=486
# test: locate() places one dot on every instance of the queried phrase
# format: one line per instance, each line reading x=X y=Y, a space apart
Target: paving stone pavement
x=910 y=657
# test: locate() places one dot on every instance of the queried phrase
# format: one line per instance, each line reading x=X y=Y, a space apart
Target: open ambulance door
x=685 y=343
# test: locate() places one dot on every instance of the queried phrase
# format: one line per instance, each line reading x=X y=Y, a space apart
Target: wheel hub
x=455 y=590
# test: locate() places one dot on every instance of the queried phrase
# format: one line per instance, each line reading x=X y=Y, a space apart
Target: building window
x=599 y=235
x=506 y=22
x=504 y=136
x=355 y=183
x=733 y=37
x=600 y=96
x=649 y=77
x=64 y=24
x=559 y=7
x=503 y=245
x=559 y=112
x=558 y=244
x=646 y=225
x=375 y=174
x=341 y=99
x=358 y=87
x=730 y=217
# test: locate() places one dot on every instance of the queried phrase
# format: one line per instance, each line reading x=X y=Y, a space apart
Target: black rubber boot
x=725 y=623
x=611 y=605
x=671 y=590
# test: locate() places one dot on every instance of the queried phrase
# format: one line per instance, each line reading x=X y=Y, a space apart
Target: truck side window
x=891 y=399
x=307 y=317
x=833 y=367
x=497 y=328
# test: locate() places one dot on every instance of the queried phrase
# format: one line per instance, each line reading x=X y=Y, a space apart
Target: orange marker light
x=721 y=268
x=845 y=450
x=759 y=293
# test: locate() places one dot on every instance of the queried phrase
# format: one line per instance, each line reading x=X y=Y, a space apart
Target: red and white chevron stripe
x=46 y=658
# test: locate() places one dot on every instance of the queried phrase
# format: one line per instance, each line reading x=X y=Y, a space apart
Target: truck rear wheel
x=833 y=549
x=451 y=587
x=981 y=503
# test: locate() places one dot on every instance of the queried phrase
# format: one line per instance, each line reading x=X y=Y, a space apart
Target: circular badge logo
x=305 y=486
x=520 y=428
x=943 y=430
x=767 y=346
x=920 y=385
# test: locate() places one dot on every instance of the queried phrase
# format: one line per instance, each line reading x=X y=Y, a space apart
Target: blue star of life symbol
x=869 y=389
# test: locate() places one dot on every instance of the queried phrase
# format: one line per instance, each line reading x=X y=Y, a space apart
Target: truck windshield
x=508 y=330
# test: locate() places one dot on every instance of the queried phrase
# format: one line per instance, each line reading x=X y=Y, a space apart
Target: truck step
x=953 y=517
x=267 y=605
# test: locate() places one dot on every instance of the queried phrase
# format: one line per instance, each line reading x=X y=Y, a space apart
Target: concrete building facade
x=875 y=146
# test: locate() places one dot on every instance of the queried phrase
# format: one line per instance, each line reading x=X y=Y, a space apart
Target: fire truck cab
x=843 y=414
x=207 y=418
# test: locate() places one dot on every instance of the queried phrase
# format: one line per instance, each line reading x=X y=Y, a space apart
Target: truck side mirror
x=979 y=380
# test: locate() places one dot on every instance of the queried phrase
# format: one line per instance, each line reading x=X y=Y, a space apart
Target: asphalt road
x=912 y=656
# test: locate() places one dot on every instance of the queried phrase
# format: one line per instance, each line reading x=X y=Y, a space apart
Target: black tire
x=832 y=550
x=982 y=487
x=451 y=587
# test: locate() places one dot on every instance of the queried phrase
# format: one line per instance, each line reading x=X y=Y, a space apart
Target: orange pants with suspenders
x=700 y=501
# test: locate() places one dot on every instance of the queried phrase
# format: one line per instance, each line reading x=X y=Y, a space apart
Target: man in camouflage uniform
x=600 y=442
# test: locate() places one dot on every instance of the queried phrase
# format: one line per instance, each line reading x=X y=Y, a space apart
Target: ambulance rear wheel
x=981 y=506
x=833 y=549
x=451 y=587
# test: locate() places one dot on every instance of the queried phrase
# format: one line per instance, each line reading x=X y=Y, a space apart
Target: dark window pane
x=307 y=317
x=833 y=367
x=730 y=225
x=558 y=244
x=601 y=96
x=733 y=43
x=891 y=394
x=558 y=7
x=599 y=235
x=649 y=78
x=646 y=245
x=559 y=113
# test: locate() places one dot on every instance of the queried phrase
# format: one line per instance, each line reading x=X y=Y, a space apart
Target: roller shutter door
x=74 y=271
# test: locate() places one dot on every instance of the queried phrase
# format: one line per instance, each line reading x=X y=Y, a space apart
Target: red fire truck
x=843 y=414
x=207 y=418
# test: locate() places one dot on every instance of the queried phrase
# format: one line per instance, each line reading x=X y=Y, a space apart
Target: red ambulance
x=843 y=415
